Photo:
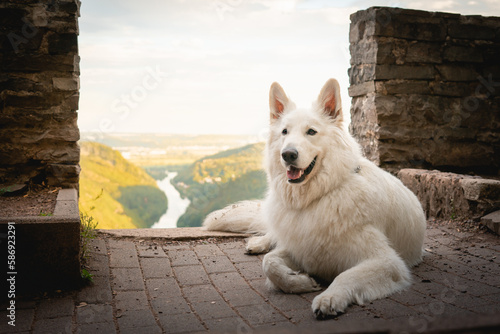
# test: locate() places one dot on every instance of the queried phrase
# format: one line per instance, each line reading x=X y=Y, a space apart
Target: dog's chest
x=313 y=243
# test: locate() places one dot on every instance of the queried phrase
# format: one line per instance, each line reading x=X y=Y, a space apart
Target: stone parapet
x=452 y=196
x=425 y=89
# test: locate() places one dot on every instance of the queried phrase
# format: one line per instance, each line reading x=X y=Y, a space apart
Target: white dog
x=329 y=212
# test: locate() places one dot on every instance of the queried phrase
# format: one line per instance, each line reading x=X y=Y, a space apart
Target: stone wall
x=39 y=83
x=425 y=89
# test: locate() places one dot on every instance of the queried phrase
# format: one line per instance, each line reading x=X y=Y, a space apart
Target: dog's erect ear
x=329 y=99
x=278 y=100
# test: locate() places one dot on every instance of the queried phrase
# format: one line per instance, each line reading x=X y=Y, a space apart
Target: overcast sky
x=205 y=67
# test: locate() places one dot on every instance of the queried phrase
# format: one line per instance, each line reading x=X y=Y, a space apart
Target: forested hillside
x=115 y=192
x=220 y=179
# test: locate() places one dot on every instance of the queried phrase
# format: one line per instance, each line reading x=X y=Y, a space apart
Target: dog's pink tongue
x=294 y=173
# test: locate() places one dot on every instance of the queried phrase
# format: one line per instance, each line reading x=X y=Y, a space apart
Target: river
x=176 y=205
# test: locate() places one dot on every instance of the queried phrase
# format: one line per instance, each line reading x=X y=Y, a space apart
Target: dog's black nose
x=290 y=155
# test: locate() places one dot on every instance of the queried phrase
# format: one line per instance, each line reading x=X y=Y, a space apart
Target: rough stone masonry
x=39 y=83
x=425 y=89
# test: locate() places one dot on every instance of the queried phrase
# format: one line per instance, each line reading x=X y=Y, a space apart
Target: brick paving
x=164 y=286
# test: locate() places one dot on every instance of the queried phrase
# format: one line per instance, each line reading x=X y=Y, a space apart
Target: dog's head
x=300 y=136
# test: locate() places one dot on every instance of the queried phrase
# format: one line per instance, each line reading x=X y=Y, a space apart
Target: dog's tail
x=242 y=217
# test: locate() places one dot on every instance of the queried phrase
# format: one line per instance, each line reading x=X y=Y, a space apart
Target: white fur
x=349 y=222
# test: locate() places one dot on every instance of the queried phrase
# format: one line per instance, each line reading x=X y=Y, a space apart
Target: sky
x=205 y=66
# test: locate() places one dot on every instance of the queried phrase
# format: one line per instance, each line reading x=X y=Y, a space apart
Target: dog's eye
x=284 y=132
x=311 y=132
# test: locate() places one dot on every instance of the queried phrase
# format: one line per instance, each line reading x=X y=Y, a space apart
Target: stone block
x=454 y=89
x=462 y=54
x=361 y=89
x=63 y=43
x=457 y=72
x=422 y=52
x=364 y=52
x=361 y=73
x=492 y=221
x=40 y=63
x=408 y=26
x=471 y=31
x=32 y=101
x=69 y=153
x=66 y=84
x=407 y=72
x=482 y=190
x=12 y=17
x=391 y=87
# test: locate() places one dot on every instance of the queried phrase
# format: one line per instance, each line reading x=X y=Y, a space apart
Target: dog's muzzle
x=294 y=174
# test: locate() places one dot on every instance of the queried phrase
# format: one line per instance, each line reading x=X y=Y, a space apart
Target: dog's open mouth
x=297 y=175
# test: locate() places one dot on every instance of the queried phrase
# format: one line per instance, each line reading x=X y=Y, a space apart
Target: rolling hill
x=115 y=192
x=215 y=181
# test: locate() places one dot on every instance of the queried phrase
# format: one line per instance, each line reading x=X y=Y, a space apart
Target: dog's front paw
x=258 y=245
x=328 y=305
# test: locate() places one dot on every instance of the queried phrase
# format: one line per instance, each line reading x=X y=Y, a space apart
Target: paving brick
x=160 y=287
x=410 y=298
x=24 y=320
x=208 y=250
x=428 y=288
x=217 y=264
x=170 y=247
x=260 y=314
x=389 y=309
x=170 y=305
x=121 y=244
x=131 y=300
x=228 y=325
x=494 y=297
x=279 y=299
x=461 y=284
x=181 y=323
x=127 y=279
x=232 y=245
x=228 y=281
x=493 y=308
x=156 y=267
x=250 y=270
x=213 y=309
x=123 y=258
x=94 y=313
x=183 y=258
x=150 y=251
x=98 y=265
x=55 y=307
x=191 y=275
x=97 y=292
x=61 y=325
x=200 y=293
x=100 y=328
x=469 y=302
x=469 y=260
x=237 y=255
x=243 y=297
x=300 y=316
x=97 y=246
x=135 y=319
x=139 y=330
x=439 y=308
